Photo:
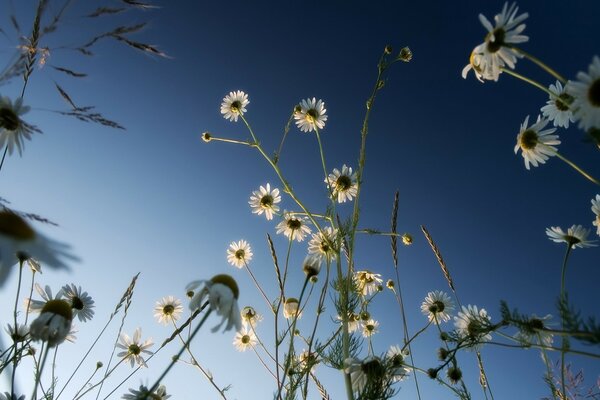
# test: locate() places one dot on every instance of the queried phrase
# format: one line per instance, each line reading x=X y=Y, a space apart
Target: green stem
x=15 y=314
x=564 y=340
x=575 y=167
x=540 y=64
x=530 y=81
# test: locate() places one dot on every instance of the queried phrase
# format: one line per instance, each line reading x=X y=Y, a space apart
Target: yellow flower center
x=58 y=307
x=8 y=119
x=494 y=44
x=266 y=201
x=228 y=281
x=343 y=183
x=168 y=309
x=240 y=254
x=134 y=349
x=294 y=224
x=528 y=139
x=594 y=93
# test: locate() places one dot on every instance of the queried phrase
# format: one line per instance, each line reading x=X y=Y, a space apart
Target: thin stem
x=564 y=341
x=575 y=167
x=285 y=132
x=3 y=157
x=38 y=375
x=264 y=364
x=541 y=64
x=218 y=139
x=530 y=81
x=15 y=314
x=258 y=286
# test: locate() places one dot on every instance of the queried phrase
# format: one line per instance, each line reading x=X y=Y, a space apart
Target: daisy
x=475 y=60
x=536 y=145
x=265 y=201
x=437 y=306
x=244 y=339
x=596 y=210
x=239 y=253
x=234 y=105
x=12 y=128
x=134 y=348
x=576 y=236
x=407 y=239
x=291 y=308
x=367 y=282
x=19 y=334
x=34 y=265
x=586 y=96
x=558 y=109
x=397 y=356
x=361 y=372
x=250 y=316
x=54 y=323
x=311 y=265
x=533 y=331
x=222 y=292
x=32 y=305
x=353 y=321
x=144 y=394
x=19 y=242
x=472 y=325
x=343 y=184
x=370 y=328
x=307 y=362
x=81 y=303
x=293 y=227
x=324 y=243
x=8 y=396
x=310 y=115
x=167 y=309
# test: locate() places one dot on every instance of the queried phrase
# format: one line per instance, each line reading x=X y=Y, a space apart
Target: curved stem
x=530 y=81
x=540 y=64
x=258 y=286
x=564 y=341
x=575 y=167
x=15 y=330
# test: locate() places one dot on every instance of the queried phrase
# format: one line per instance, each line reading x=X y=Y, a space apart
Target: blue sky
x=155 y=199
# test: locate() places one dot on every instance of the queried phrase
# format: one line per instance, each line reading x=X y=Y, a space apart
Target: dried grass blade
x=65 y=96
x=394 y=239
x=126 y=298
x=144 y=6
x=70 y=72
x=275 y=262
x=141 y=46
x=319 y=385
x=438 y=255
x=104 y=11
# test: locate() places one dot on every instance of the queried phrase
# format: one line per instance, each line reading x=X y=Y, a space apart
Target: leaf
x=70 y=72
x=65 y=96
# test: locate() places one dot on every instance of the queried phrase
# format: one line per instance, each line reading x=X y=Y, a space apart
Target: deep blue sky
x=156 y=199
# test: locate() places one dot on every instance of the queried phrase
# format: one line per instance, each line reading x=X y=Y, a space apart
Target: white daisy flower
x=310 y=115
x=54 y=323
x=250 y=316
x=32 y=305
x=34 y=265
x=558 y=108
x=397 y=356
x=536 y=144
x=596 y=211
x=134 y=348
x=370 y=327
x=81 y=302
x=496 y=51
x=244 y=339
x=293 y=227
x=168 y=309
x=307 y=362
x=19 y=242
x=361 y=372
x=324 y=243
x=291 y=308
x=8 y=396
x=234 y=105
x=343 y=184
x=576 y=236
x=472 y=325
x=586 y=96
x=19 y=334
x=71 y=336
x=367 y=282
x=265 y=201
x=353 y=321
x=13 y=130
x=311 y=265
x=143 y=393
x=437 y=306
x=534 y=331
x=239 y=253
x=222 y=292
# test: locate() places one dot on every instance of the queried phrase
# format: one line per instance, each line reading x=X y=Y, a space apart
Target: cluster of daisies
x=569 y=100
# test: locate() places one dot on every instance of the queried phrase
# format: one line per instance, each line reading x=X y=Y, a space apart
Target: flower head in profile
x=437 y=306
x=13 y=130
x=8 y=396
x=397 y=358
x=293 y=226
x=19 y=242
x=310 y=115
x=32 y=305
x=307 y=361
x=222 y=293
x=19 y=334
x=576 y=236
x=558 y=108
x=143 y=393
x=311 y=265
x=54 y=322
x=81 y=302
x=291 y=308
x=473 y=325
x=367 y=282
x=168 y=309
x=134 y=348
x=250 y=316
x=324 y=243
x=245 y=339
x=370 y=370
x=370 y=327
x=536 y=143
x=586 y=96
x=239 y=253
x=343 y=184
x=234 y=105
x=265 y=200
x=534 y=331
x=596 y=211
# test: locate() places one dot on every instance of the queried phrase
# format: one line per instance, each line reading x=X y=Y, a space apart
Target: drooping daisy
x=534 y=331
x=362 y=372
x=250 y=316
x=264 y=200
x=34 y=265
x=576 y=236
x=81 y=302
x=13 y=130
x=239 y=253
x=8 y=396
x=370 y=327
x=234 y=105
x=133 y=348
x=367 y=282
x=324 y=243
x=293 y=227
x=472 y=325
x=311 y=265
x=437 y=306
x=19 y=242
x=536 y=144
x=396 y=356
x=143 y=393
x=32 y=305
x=245 y=339
x=54 y=323
x=222 y=292
x=307 y=361
x=353 y=321
x=343 y=184
x=310 y=115
x=586 y=96
x=168 y=309
x=596 y=211
x=475 y=60
x=558 y=108
x=19 y=334
x=291 y=308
